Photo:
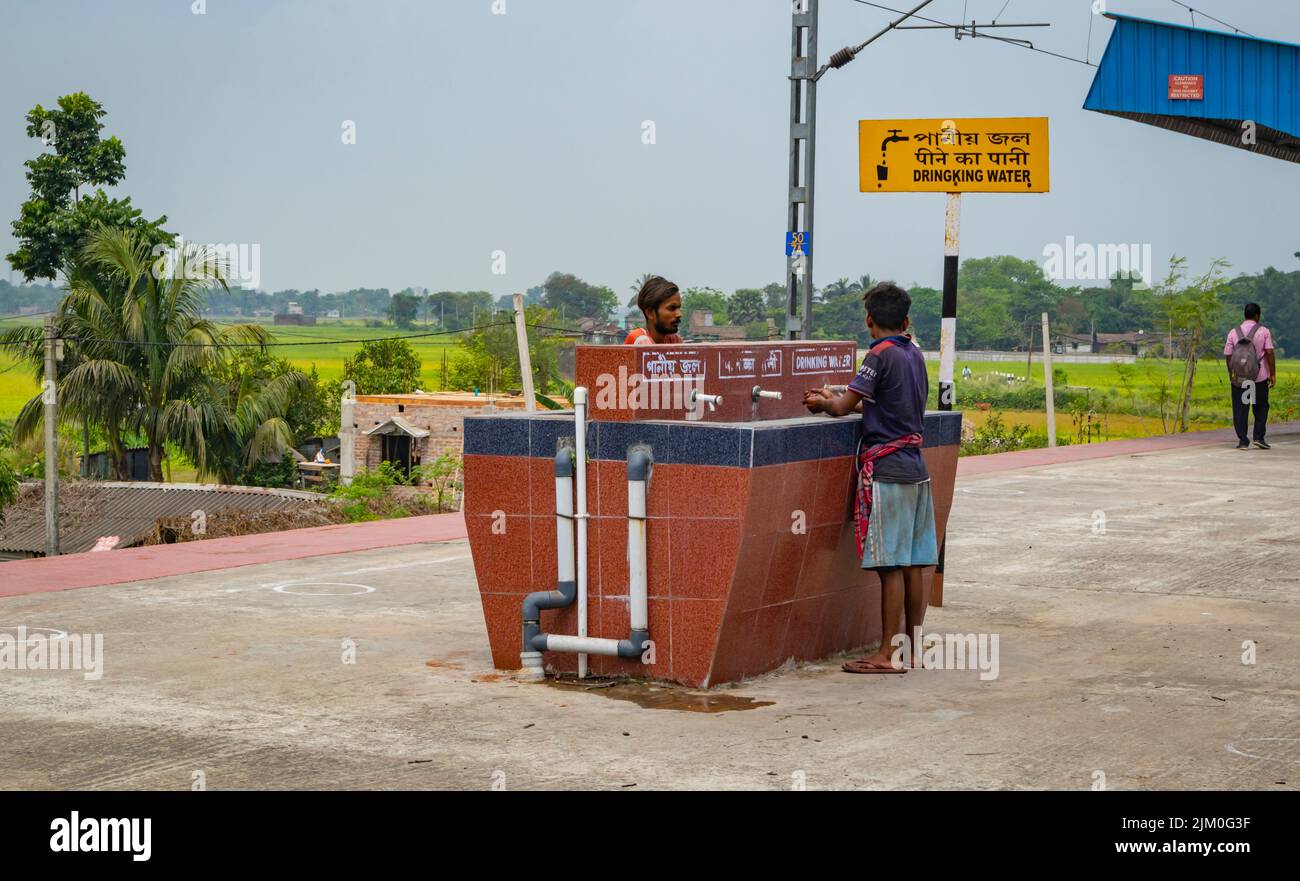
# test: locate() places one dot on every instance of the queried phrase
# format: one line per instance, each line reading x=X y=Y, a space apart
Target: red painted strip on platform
x=157 y=561
x=971 y=466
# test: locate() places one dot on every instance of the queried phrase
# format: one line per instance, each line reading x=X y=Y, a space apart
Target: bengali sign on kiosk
x=673 y=365
x=1003 y=155
x=749 y=363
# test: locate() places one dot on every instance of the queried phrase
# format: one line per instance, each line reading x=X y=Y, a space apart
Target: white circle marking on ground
x=1232 y=748
x=283 y=587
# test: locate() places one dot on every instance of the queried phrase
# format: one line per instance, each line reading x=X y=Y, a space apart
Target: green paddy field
x=327 y=345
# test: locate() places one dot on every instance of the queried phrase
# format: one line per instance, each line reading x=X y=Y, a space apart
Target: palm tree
x=836 y=289
x=144 y=346
x=243 y=419
x=864 y=284
x=636 y=287
x=105 y=412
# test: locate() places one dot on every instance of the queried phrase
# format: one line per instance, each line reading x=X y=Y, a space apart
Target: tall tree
x=704 y=299
x=384 y=367
x=836 y=289
x=248 y=404
x=746 y=306
x=574 y=298
x=1193 y=311
x=403 y=309
x=57 y=217
x=489 y=355
x=636 y=288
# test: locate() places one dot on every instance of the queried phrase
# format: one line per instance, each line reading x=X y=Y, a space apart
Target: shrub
x=443 y=475
x=995 y=436
x=367 y=496
x=8 y=488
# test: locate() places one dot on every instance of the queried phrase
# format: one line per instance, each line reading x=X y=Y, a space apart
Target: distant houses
x=701 y=327
x=600 y=332
x=293 y=315
x=1134 y=342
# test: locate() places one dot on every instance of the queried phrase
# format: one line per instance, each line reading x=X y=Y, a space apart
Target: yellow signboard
x=1007 y=155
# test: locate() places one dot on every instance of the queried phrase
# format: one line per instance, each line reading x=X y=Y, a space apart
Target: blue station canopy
x=1150 y=70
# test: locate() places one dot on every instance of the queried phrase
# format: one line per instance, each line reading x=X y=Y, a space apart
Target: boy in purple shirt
x=895 y=511
x=1256 y=393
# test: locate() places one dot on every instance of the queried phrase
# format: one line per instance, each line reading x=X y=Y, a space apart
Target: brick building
x=414 y=429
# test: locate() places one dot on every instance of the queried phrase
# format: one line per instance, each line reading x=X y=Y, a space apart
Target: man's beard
x=666 y=329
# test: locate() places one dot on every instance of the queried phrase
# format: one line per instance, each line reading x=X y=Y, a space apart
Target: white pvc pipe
x=583 y=645
x=580 y=454
x=564 y=527
x=636 y=554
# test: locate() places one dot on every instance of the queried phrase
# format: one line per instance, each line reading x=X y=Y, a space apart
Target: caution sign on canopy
x=1003 y=155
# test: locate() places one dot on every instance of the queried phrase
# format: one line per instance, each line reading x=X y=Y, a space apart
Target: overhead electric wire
x=1205 y=14
x=28 y=314
x=967 y=31
x=273 y=344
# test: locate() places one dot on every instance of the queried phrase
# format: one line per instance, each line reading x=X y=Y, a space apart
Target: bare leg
x=914 y=607
x=891 y=614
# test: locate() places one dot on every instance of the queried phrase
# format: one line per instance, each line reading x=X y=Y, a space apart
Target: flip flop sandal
x=862 y=666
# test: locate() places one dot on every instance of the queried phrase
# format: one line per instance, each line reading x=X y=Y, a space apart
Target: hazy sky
x=522 y=133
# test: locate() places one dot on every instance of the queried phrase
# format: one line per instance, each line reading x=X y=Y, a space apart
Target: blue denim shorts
x=901 y=531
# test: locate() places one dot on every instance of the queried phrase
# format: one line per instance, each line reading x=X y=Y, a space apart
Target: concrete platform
x=1120 y=653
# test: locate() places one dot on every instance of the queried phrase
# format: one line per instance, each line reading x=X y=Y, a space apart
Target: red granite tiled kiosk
x=751 y=555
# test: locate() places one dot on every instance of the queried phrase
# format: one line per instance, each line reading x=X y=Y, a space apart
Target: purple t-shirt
x=894 y=386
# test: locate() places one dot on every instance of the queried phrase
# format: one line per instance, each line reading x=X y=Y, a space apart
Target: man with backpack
x=1252 y=370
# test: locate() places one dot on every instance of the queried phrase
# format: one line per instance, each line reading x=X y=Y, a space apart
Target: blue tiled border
x=740 y=444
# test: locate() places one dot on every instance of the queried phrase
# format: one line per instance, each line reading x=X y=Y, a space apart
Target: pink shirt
x=1262 y=341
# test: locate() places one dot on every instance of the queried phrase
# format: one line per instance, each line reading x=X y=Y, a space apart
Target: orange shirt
x=642 y=332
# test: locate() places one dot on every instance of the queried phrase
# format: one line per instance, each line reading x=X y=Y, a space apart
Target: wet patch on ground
x=659 y=696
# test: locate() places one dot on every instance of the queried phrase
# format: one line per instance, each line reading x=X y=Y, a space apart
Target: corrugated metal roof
x=398 y=425
x=1245 y=78
x=90 y=510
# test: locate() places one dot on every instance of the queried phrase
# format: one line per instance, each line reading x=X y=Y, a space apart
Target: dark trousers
x=1241 y=411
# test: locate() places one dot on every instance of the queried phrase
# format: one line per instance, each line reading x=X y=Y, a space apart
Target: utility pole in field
x=50 y=396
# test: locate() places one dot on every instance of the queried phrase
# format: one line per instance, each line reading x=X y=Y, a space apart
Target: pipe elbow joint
x=562 y=598
x=639 y=463
x=634 y=645
x=564 y=462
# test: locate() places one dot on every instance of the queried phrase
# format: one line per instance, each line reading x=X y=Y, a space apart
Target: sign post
x=953 y=156
x=1047 y=373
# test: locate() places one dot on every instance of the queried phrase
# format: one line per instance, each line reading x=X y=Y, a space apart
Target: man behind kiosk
x=894 y=509
x=661 y=304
